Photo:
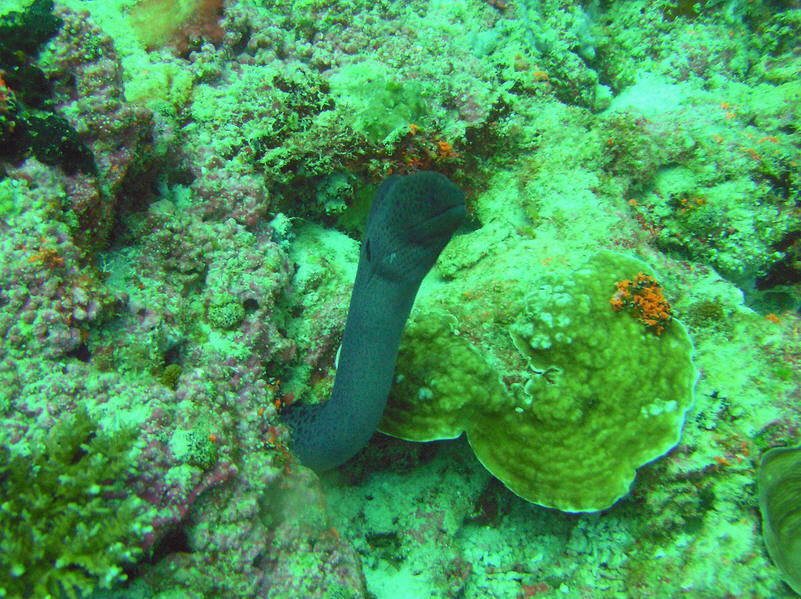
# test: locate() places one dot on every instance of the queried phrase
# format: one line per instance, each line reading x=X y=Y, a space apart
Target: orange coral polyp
x=644 y=299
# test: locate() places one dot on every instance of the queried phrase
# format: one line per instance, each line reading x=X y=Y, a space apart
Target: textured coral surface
x=158 y=310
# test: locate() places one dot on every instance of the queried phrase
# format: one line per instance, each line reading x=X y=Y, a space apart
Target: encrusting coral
x=592 y=396
x=780 y=504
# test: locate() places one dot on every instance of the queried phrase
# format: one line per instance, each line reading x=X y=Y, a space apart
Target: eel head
x=411 y=220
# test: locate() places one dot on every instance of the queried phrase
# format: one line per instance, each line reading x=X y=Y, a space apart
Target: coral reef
x=46 y=135
x=180 y=24
x=88 y=90
x=193 y=279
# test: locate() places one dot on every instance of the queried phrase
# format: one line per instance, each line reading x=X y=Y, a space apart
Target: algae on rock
x=69 y=520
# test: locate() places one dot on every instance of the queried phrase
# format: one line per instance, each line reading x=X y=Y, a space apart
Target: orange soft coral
x=643 y=297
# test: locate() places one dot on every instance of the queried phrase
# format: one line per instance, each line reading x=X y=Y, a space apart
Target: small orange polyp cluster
x=445 y=150
x=690 y=204
x=643 y=297
x=48 y=257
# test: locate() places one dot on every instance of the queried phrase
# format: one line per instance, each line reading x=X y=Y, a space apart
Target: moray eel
x=411 y=220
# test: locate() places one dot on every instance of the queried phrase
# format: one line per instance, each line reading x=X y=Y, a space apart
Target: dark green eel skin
x=411 y=220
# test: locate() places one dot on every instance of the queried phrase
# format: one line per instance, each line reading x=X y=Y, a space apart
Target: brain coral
x=565 y=412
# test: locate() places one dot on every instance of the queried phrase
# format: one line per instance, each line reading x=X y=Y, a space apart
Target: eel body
x=411 y=220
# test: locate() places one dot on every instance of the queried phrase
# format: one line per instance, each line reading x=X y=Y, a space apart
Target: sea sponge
x=591 y=394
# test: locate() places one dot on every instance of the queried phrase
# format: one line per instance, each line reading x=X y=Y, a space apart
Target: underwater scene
x=400 y=299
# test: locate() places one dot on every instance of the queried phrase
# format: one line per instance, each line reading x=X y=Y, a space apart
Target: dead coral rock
x=179 y=24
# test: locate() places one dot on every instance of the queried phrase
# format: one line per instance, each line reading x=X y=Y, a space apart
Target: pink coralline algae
x=244 y=529
x=314 y=560
x=229 y=188
x=89 y=92
x=116 y=403
x=51 y=296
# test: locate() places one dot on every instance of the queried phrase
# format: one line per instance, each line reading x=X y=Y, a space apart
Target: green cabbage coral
x=67 y=521
x=566 y=410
